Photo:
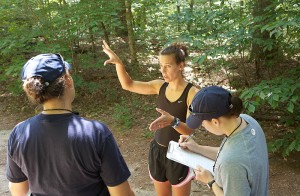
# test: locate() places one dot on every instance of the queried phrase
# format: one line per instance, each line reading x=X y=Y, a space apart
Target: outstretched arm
x=165 y=120
x=146 y=88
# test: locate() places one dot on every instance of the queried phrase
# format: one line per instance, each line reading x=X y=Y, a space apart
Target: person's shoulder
x=194 y=89
x=18 y=129
x=249 y=119
x=192 y=92
x=91 y=125
x=157 y=83
x=91 y=122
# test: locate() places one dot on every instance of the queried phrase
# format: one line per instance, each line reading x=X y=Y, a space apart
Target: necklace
x=235 y=129
x=225 y=142
x=61 y=109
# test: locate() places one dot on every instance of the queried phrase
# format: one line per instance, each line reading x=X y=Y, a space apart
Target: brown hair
x=236 y=107
x=39 y=91
x=179 y=50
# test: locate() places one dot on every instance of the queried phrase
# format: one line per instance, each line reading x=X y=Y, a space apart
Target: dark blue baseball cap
x=210 y=102
x=48 y=66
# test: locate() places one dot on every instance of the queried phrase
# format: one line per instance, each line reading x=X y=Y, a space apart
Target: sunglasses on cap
x=198 y=113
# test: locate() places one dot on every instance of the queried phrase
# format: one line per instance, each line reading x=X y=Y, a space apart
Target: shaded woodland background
x=252 y=45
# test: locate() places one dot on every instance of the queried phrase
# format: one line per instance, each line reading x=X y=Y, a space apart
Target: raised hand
x=113 y=58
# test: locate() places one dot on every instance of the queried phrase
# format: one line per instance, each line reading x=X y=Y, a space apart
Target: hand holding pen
x=187 y=142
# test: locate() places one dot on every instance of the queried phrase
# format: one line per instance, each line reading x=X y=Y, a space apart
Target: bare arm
x=19 y=189
x=121 y=189
x=146 y=88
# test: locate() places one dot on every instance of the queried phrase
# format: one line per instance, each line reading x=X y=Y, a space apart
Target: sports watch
x=210 y=184
x=175 y=122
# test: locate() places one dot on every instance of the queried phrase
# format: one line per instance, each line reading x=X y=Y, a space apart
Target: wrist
x=210 y=184
x=175 y=122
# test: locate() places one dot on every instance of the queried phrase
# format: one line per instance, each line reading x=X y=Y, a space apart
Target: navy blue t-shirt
x=65 y=154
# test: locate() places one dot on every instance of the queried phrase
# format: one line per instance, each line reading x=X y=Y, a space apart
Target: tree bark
x=191 y=4
x=260 y=56
x=131 y=37
x=122 y=30
x=178 y=14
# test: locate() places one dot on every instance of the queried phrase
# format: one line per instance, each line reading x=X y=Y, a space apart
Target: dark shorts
x=162 y=169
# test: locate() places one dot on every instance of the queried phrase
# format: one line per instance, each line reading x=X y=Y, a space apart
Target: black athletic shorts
x=162 y=169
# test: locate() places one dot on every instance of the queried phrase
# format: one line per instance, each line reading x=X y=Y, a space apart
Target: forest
x=251 y=46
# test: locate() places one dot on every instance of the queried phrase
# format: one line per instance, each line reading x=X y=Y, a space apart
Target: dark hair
x=237 y=107
x=39 y=91
x=178 y=49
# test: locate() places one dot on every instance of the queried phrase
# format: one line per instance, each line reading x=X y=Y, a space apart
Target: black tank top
x=177 y=108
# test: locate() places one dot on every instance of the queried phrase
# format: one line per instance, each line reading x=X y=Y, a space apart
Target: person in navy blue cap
x=57 y=152
x=241 y=162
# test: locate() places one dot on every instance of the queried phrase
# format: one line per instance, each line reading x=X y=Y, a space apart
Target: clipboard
x=188 y=158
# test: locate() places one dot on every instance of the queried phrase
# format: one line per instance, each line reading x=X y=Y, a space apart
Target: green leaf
x=290 y=107
x=276 y=97
x=251 y=108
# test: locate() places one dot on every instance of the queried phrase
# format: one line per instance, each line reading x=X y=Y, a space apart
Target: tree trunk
x=92 y=41
x=122 y=30
x=259 y=54
x=131 y=40
x=191 y=3
x=178 y=15
x=106 y=33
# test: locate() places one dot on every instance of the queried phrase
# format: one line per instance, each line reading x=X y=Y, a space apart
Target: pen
x=189 y=137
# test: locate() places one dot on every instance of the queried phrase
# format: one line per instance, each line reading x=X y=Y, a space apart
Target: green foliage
x=122 y=114
x=133 y=109
x=81 y=84
x=148 y=134
x=283 y=94
x=288 y=143
x=215 y=31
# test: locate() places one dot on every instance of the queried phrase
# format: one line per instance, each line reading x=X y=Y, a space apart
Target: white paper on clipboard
x=188 y=158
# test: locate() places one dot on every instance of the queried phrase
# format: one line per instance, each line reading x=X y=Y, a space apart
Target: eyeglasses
x=198 y=113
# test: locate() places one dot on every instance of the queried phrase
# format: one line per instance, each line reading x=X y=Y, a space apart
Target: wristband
x=210 y=184
x=175 y=122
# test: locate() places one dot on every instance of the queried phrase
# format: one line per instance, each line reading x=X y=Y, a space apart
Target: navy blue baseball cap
x=210 y=102
x=48 y=66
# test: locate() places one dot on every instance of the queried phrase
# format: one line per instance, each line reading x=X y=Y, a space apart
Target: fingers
x=105 y=45
x=199 y=168
x=158 y=124
x=106 y=62
x=182 y=138
x=161 y=111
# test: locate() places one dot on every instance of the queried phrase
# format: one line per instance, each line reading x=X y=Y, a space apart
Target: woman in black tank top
x=174 y=97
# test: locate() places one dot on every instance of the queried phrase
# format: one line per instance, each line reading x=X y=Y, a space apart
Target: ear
x=181 y=66
x=69 y=80
x=215 y=122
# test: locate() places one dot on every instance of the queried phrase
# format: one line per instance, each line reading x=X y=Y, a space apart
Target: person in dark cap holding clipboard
x=241 y=162
x=57 y=152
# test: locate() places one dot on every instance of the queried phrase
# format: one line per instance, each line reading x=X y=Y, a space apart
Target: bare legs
x=165 y=189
